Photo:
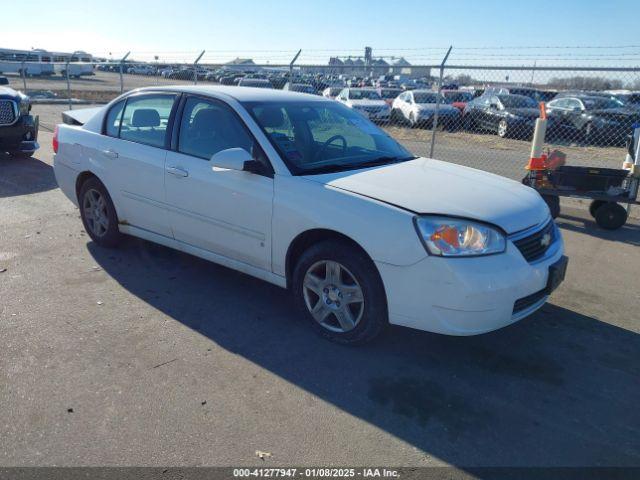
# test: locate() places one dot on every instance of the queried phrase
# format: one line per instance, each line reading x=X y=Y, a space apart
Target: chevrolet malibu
x=305 y=193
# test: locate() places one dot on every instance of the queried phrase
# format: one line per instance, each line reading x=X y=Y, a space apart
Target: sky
x=490 y=31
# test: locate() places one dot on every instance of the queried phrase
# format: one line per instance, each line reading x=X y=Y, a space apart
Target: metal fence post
x=121 y=66
x=23 y=74
x=291 y=64
x=435 y=116
x=195 y=68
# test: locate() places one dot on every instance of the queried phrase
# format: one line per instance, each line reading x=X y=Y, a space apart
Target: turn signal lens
x=451 y=237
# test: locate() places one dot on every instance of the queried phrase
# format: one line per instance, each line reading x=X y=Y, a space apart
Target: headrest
x=205 y=119
x=270 y=117
x=145 y=117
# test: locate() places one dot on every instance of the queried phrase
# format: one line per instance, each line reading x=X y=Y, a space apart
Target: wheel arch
x=83 y=177
x=310 y=237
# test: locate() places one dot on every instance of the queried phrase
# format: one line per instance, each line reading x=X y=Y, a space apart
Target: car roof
x=241 y=94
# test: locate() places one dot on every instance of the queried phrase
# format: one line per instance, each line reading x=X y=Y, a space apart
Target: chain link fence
x=476 y=115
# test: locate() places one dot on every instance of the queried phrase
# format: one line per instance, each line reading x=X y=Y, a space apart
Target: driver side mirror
x=233 y=159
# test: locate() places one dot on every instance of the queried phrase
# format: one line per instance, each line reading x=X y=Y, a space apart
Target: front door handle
x=178 y=172
x=110 y=153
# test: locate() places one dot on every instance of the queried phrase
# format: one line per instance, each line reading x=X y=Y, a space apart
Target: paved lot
x=145 y=356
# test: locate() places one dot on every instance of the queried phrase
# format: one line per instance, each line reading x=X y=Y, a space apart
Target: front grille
x=536 y=245
x=529 y=300
x=7 y=112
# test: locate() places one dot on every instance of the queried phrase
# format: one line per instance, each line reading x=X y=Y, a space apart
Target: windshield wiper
x=340 y=167
x=383 y=161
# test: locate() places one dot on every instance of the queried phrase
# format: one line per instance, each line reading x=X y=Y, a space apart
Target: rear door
x=133 y=150
x=223 y=211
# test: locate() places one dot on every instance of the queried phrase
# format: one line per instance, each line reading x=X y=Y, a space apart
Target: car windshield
x=319 y=137
x=601 y=103
x=390 y=92
x=458 y=96
x=361 y=94
x=426 y=97
x=517 y=101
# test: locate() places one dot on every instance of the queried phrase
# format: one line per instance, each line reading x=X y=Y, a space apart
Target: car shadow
x=559 y=388
x=629 y=233
x=23 y=176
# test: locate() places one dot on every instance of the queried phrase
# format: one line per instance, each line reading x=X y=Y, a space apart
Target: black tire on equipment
x=553 y=202
x=611 y=216
x=375 y=317
x=595 y=205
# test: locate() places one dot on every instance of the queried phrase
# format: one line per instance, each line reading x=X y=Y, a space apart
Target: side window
x=207 y=128
x=146 y=118
x=112 y=122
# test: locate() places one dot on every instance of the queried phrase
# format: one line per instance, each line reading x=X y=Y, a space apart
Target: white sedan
x=418 y=108
x=303 y=192
x=367 y=102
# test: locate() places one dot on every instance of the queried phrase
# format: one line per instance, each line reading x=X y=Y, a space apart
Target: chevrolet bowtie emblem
x=546 y=240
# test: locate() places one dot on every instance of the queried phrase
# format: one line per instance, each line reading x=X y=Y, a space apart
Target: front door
x=227 y=212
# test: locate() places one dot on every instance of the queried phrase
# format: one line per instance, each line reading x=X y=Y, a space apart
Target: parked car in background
x=18 y=128
x=418 y=108
x=594 y=119
x=367 y=102
x=331 y=92
x=533 y=93
x=389 y=94
x=255 y=82
x=457 y=98
x=142 y=70
x=300 y=87
x=230 y=79
x=504 y=114
x=304 y=193
x=629 y=97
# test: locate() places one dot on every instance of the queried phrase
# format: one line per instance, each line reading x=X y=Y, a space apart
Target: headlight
x=25 y=106
x=453 y=237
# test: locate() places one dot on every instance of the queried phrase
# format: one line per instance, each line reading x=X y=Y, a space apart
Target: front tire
x=98 y=213
x=338 y=289
x=503 y=129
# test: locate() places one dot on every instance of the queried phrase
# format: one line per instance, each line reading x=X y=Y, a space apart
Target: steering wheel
x=329 y=142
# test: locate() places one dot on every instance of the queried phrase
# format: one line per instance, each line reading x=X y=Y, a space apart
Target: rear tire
x=611 y=216
x=98 y=213
x=339 y=291
x=595 y=205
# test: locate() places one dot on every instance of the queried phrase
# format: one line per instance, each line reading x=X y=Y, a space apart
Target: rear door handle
x=178 y=172
x=110 y=153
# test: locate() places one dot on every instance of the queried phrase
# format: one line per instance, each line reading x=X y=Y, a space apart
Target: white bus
x=80 y=63
x=30 y=62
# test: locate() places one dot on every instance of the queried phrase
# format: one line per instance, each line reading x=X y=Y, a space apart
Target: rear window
x=146 y=118
x=114 y=117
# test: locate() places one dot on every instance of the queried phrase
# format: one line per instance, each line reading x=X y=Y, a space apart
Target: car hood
x=8 y=92
x=432 y=186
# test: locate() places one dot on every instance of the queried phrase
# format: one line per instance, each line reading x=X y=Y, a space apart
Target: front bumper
x=382 y=115
x=468 y=296
x=22 y=136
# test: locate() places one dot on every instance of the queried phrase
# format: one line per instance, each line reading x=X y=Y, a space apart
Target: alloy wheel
x=94 y=207
x=333 y=296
